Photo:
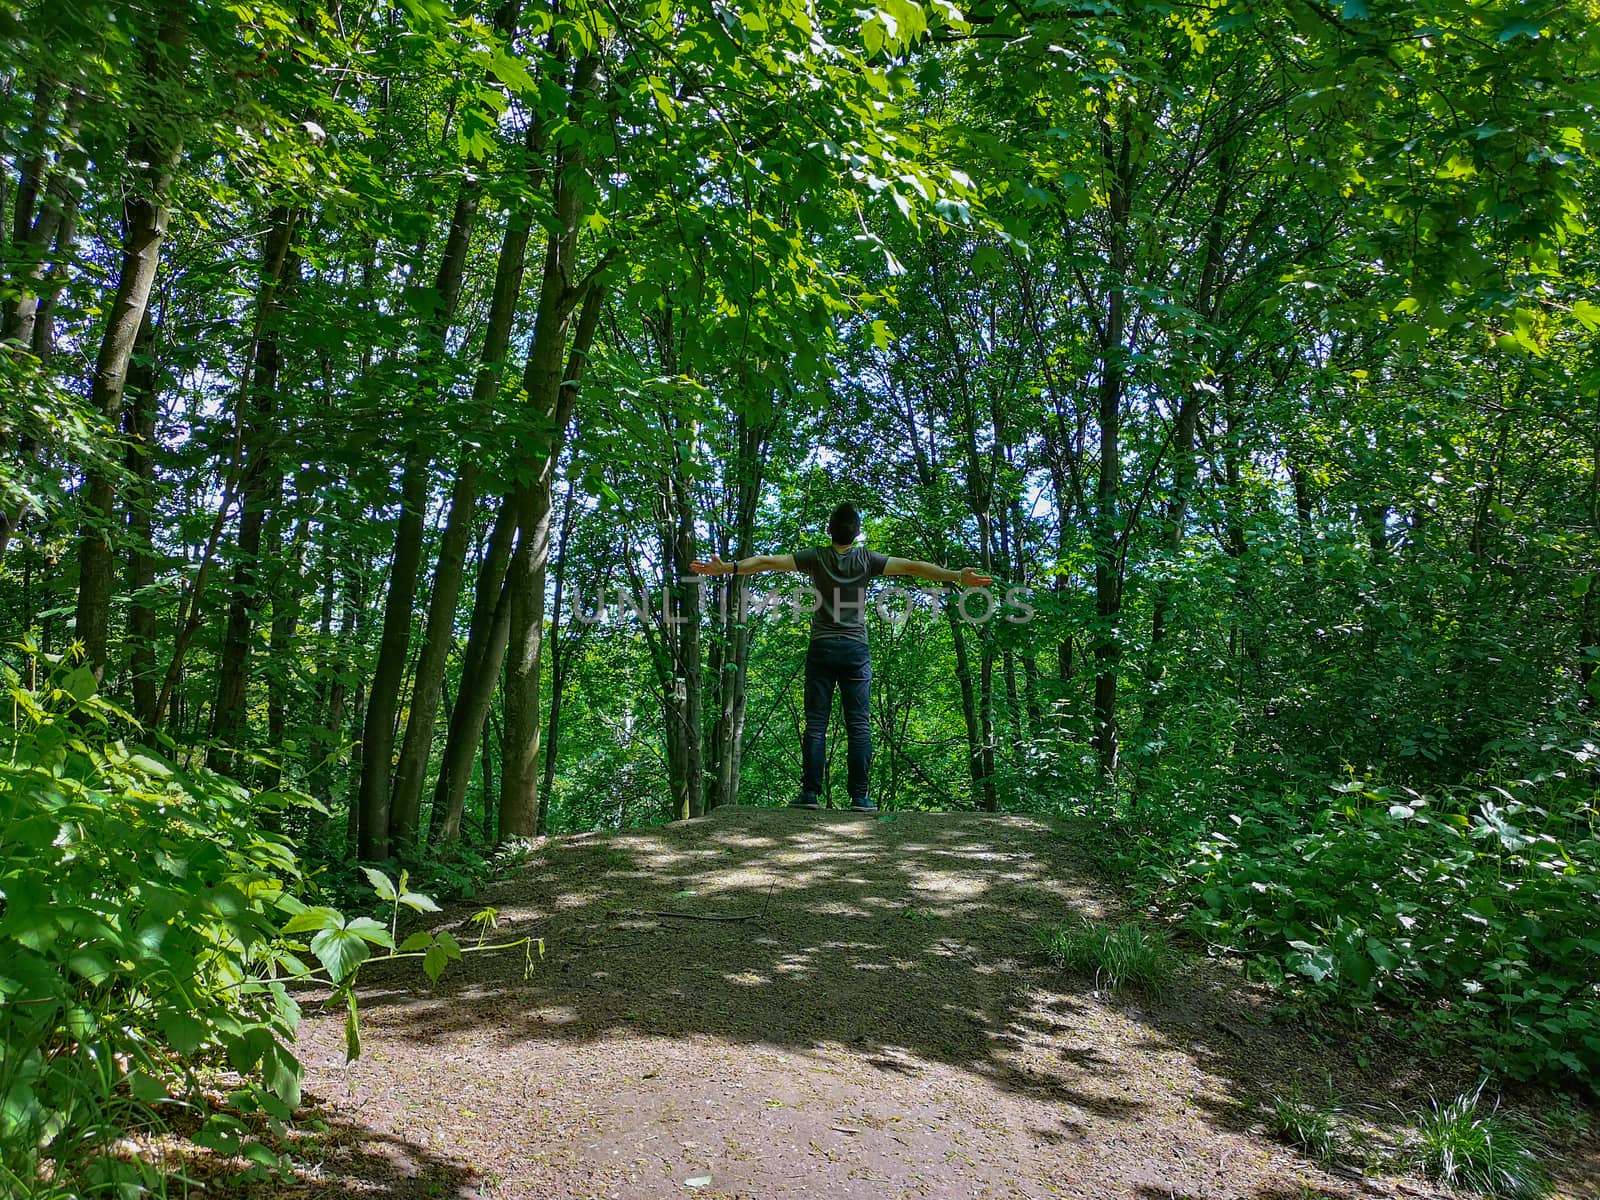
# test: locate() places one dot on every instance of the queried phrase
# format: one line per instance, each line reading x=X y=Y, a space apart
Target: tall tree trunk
x=553 y=396
x=288 y=590
x=156 y=150
x=681 y=613
x=982 y=782
x=261 y=484
x=730 y=664
x=1108 y=531
x=486 y=645
x=1589 y=606
x=383 y=704
x=323 y=719
x=440 y=637
x=139 y=426
x=1172 y=520
x=559 y=659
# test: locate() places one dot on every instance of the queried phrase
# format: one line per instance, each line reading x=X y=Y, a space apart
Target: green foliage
x=151 y=928
x=1310 y=1128
x=1128 y=955
x=1461 y=1145
x=141 y=936
x=1472 y=907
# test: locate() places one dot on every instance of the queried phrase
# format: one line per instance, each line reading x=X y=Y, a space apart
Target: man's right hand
x=972 y=577
x=715 y=567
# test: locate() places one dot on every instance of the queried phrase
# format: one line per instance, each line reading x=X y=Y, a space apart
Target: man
x=838 y=653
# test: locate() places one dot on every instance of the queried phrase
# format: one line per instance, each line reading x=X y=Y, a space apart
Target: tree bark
x=486 y=645
x=559 y=660
x=416 y=749
x=139 y=426
x=1108 y=531
x=730 y=659
x=553 y=396
x=383 y=703
x=261 y=485
x=145 y=216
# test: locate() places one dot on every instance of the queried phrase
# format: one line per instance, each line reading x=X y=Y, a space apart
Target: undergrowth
x=1466 y=912
x=1125 y=955
x=1462 y=1146
x=154 y=927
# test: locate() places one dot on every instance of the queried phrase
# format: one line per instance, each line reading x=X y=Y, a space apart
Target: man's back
x=840 y=579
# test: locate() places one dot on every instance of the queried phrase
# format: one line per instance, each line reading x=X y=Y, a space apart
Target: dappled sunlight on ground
x=816 y=1003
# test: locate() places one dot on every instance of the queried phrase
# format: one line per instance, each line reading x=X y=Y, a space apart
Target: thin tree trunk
x=982 y=783
x=1108 y=531
x=261 y=484
x=383 y=704
x=525 y=579
x=486 y=644
x=416 y=749
x=730 y=664
x=558 y=657
x=286 y=597
x=1589 y=608
x=145 y=216
x=139 y=427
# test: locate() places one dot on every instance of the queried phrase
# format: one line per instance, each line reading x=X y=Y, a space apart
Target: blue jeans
x=848 y=663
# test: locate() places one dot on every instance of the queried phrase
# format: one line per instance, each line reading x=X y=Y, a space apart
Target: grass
x=1310 y=1128
x=1121 y=956
x=1462 y=1145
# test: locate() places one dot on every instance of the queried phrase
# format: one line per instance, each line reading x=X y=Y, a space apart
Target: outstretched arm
x=966 y=577
x=744 y=566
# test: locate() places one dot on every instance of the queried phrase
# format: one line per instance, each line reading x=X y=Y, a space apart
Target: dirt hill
x=770 y=1003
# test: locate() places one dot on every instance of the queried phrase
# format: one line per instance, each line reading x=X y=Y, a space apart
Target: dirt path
x=883 y=1026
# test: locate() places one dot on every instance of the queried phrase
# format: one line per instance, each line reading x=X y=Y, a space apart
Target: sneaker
x=803 y=802
x=863 y=806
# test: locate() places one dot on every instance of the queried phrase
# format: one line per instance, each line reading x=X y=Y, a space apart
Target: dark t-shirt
x=841 y=583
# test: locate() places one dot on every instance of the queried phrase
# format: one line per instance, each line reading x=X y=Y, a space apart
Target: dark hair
x=844 y=527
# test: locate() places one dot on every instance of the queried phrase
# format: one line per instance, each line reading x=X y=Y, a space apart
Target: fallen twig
x=683 y=916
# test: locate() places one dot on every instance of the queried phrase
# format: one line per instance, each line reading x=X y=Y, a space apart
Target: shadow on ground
x=907 y=940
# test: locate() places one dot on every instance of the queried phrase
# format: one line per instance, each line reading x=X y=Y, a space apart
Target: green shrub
x=1472 y=908
x=139 y=927
x=1127 y=955
x=149 y=926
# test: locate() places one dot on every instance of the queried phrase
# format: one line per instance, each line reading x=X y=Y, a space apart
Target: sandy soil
x=875 y=1021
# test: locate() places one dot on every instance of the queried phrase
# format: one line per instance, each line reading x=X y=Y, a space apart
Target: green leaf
x=420 y=940
x=92 y=964
x=1587 y=312
x=245 y=1051
x=352 y=1028
x=313 y=919
x=1357 y=969
x=184 y=1032
x=371 y=931
x=434 y=962
x=1382 y=955
x=80 y=684
x=283 y=1074
x=340 y=951
x=381 y=883
x=419 y=902
x=447 y=939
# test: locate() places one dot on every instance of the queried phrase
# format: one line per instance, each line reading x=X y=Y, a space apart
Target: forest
x=372 y=371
